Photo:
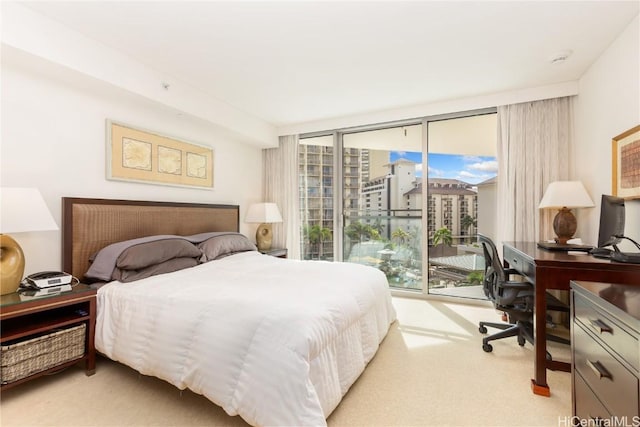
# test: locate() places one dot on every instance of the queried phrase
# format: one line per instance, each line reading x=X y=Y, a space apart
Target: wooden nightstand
x=276 y=252
x=25 y=320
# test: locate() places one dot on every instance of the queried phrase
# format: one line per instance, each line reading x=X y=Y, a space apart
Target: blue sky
x=471 y=169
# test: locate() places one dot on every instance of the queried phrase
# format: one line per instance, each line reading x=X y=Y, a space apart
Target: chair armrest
x=524 y=286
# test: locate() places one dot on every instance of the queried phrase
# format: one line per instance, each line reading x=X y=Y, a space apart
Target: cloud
x=471 y=159
x=485 y=166
x=467 y=174
x=436 y=172
x=473 y=178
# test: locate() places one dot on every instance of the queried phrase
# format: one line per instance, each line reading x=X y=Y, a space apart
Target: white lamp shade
x=566 y=194
x=263 y=213
x=23 y=209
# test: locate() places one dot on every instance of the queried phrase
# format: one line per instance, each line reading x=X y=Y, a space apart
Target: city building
x=377 y=192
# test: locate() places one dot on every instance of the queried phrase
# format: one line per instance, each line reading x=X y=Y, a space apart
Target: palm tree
x=401 y=235
x=466 y=223
x=359 y=232
x=317 y=235
x=442 y=236
x=377 y=227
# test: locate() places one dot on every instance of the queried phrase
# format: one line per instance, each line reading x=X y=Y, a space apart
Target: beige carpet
x=430 y=371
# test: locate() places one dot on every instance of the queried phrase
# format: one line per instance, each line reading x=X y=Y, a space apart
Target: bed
x=276 y=341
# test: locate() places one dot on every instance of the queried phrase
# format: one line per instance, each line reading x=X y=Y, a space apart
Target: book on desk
x=565 y=247
x=614 y=255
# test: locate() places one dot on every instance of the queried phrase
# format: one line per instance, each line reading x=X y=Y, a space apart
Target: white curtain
x=280 y=178
x=533 y=150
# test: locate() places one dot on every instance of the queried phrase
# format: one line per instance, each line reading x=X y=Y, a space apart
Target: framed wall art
x=138 y=155
x=625 y=155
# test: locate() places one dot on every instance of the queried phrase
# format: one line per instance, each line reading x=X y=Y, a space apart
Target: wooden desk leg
x=539 y=382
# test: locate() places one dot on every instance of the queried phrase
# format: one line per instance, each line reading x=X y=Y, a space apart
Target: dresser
x=605 y=347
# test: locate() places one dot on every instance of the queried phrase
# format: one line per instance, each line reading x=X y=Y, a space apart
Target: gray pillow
x=225 y=245
x=153 y=253
x=174 y=264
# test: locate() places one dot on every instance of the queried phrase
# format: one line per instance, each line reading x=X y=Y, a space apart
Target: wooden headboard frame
x=89 y=225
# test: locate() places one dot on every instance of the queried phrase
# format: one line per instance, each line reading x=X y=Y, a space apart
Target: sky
x=470 y=169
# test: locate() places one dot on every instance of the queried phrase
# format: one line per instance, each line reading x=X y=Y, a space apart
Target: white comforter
x=276 y=341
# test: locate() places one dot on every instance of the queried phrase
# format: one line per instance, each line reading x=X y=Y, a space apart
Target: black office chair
x=515 y=298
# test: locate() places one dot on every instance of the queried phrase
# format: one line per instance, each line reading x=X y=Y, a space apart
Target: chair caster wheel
x=521 y=341
x=488 y=348
x=482 y=330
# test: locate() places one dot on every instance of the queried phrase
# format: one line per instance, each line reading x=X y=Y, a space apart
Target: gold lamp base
x=564 y=225
x=264 y=237
x=11 y=265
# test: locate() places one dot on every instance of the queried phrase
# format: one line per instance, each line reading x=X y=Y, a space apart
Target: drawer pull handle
x=600 y=326
x=598 y=369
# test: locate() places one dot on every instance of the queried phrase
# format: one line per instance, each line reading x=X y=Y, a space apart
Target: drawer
x=588 y=407
x=615 y=386
x=517 y=261
x=606 y=329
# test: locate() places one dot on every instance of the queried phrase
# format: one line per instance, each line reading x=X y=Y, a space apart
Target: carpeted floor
x=429 y=371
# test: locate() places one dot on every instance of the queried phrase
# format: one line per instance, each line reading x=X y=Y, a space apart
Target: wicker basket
x=21 y=359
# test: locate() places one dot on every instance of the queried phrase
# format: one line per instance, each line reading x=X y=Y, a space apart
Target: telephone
x=47 y=279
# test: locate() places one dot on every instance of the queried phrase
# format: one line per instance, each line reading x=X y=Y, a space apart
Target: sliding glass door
x=382 y=221
x=378 y=197
x=460 y=202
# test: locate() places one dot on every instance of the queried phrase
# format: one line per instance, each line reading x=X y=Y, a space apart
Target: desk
x=553 y=270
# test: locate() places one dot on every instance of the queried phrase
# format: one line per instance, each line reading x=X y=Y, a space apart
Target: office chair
x=514 y=298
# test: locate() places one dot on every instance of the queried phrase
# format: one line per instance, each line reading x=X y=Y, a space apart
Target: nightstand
x=44 y=334
x=276 y=252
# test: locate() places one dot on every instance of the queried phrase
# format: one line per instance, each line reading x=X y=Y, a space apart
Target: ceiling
x=295 y=62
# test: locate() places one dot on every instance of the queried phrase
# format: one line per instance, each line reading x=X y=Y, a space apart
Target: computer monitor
x=611 y=221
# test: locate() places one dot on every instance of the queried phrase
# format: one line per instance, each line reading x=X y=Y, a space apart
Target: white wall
x=53 y=138
x=487 y=200
x=607 y=105
x=28 y=31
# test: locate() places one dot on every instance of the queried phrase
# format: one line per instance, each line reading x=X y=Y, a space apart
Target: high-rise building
x=450 y=201
x=374 y=187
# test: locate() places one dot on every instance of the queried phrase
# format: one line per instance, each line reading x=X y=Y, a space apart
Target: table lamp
x=22 y=209
x=565 y=195
x=265 y=214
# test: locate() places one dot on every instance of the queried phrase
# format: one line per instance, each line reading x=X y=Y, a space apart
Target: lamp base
x=264 y=237
x=564 y=225
x=11 y=265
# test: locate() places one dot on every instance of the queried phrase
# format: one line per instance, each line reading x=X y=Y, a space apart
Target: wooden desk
x=553 y=270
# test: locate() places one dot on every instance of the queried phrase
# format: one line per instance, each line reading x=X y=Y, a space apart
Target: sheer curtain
x=533 y=150
x=280 y=178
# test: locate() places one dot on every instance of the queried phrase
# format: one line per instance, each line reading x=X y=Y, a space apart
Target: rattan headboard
x=89 y=225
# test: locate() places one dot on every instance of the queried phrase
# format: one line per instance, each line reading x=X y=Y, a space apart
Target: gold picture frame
x=137 y=155
x=625 y=157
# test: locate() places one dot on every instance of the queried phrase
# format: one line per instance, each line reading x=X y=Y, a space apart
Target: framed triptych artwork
x=138 y=155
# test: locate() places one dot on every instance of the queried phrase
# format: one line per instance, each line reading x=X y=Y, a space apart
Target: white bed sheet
x=276 y=341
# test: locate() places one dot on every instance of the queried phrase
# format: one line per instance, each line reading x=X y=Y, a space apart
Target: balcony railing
x=392 y=241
